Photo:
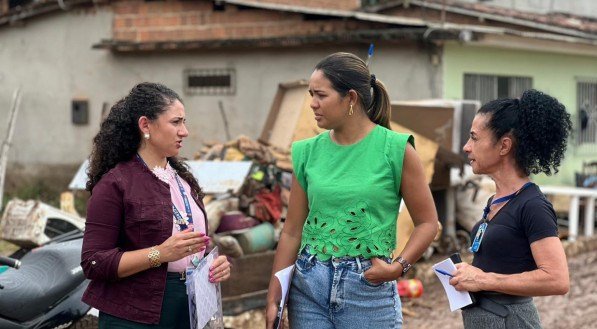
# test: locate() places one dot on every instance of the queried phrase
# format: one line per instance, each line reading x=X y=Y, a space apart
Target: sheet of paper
x=457 y=299
x=285 y=278
x=203 y=298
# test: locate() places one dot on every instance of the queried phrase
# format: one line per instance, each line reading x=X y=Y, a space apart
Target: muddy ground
x=576 y=310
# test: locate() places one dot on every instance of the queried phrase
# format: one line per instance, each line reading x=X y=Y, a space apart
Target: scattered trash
x=31 y=223
x=410 y=288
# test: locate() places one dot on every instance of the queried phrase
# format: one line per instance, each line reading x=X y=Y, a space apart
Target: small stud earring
x=146 y=135
x=350 y=111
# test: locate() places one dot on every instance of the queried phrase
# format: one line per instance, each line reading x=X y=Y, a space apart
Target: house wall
x=136 y=21
x=50 y=58
x=555 y=74
x=577 y=7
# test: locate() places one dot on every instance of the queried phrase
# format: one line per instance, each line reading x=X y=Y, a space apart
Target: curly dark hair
x=119 y=137
x=540 y=126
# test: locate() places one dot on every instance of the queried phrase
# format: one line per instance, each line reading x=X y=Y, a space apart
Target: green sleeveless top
x=353 y=193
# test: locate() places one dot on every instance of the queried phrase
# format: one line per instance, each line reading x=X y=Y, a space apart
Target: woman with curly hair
x=146 y=222
x=517 y=252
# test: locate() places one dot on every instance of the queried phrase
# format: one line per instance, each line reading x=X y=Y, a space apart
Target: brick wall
x=328 y=4
x=140 y=21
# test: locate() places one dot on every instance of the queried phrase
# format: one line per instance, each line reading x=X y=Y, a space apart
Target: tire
x=87 y=322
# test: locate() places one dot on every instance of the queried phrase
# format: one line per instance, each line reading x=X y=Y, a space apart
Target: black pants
x=175 y=311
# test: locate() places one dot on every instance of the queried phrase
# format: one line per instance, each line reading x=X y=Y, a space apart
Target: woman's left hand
x=468 y=278
x=220 y=270
x=381 y=271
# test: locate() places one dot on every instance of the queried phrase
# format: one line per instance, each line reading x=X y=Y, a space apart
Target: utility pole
x=16 y=102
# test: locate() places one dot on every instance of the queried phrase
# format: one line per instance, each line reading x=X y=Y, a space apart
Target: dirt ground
x=576 y=310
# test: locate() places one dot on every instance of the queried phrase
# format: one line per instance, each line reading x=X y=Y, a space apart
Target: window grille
x=210 y=81
x=586 y=113
x=485 y=88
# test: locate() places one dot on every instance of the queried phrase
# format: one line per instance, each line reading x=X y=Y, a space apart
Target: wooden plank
x=433 y=122
x=284 y=114
x=288 y=116
x=306 y=126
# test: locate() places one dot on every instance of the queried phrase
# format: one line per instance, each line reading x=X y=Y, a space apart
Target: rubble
x=31 y=223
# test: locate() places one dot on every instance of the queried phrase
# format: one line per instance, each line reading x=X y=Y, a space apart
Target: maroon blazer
x=129 y=209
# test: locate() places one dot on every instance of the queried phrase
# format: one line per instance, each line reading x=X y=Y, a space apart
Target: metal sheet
x=214 y=177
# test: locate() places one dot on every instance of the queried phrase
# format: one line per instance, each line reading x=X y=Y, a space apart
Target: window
x=80 y=111
x=586 y=122
x=489 y=87
x=210 y=82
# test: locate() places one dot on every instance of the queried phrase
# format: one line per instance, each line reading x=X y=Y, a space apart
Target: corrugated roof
x=577 y=26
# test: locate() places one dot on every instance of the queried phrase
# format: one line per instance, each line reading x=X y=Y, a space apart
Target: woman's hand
x=271 y=312
x=219 y=270
x=181 y=245
x=381 y=271
x=468 y=278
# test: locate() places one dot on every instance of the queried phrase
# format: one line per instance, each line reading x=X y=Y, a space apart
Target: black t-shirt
x=506 y=246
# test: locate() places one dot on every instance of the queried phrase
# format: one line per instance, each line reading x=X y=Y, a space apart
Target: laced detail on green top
x=347 y=233
x=353 y=193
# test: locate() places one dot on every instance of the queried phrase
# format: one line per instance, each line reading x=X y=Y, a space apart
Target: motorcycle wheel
x=87 y=322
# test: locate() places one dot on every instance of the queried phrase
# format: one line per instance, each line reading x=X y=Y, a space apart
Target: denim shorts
x=335 y=294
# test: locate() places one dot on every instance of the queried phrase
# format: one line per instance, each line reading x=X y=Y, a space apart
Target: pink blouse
x=168 y=175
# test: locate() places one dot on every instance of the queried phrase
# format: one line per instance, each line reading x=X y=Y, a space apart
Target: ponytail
x=380 y=108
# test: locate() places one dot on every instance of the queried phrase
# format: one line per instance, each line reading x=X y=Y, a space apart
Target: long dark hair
x=347 y=71
x=540 y=126
x=119 y=137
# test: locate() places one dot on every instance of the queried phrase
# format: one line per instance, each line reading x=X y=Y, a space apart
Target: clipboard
x=284 y=276
x=205 y=298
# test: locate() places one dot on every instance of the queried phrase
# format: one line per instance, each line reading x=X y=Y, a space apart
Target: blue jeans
x=335 y=294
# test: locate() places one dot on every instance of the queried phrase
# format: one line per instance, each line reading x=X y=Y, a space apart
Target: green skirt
x=174 y=315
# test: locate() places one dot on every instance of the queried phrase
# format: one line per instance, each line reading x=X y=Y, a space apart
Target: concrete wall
x=51 y=59
x=555 y=74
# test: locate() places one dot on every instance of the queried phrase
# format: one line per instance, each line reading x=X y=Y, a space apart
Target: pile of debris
x=247 y=219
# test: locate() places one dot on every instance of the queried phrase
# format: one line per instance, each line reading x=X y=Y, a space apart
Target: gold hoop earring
x=350 y=111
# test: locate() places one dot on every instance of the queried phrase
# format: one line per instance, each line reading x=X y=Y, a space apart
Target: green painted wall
x=555 y=74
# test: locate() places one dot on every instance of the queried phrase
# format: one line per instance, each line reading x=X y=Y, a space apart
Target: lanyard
x=483 y=227
x=182 y=223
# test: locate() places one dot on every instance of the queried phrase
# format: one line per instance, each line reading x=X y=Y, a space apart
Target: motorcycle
x=43 y=288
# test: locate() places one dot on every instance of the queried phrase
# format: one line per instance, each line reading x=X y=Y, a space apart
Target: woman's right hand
x=181 y=245
x=271 y=312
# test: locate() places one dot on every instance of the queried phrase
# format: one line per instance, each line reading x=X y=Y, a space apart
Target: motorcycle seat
x=47 y=275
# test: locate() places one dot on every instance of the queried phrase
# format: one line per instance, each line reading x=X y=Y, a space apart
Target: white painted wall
x=51 y=58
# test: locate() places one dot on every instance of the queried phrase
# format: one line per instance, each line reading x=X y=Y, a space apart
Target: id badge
x=195 y=260
x=478 y=237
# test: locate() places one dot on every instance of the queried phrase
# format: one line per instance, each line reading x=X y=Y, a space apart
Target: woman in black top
x=517 y=252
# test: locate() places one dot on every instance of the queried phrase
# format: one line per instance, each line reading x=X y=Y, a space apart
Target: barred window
x=485 y=88
x=586 y=90
x=210 y=81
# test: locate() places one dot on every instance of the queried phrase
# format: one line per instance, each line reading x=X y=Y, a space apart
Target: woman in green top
x=347 y=188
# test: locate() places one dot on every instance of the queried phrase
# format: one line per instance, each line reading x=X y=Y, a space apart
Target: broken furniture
x=446 y=122
x=575 y=194
x=31 y=223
